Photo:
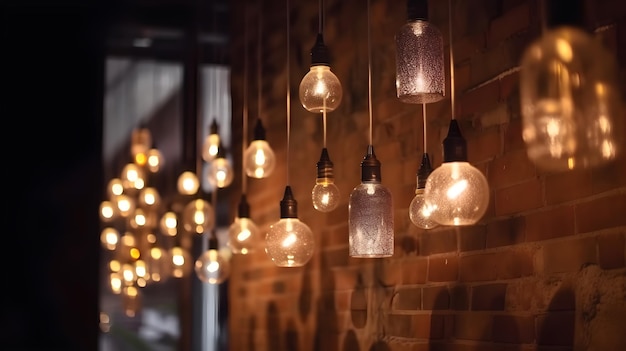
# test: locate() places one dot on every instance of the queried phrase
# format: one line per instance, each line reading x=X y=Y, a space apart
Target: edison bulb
x=420 y=211
x=325 y=195
x=132 y=177
x=320 y=90
x=110 y=237
x=125 y=205
x=210 y=147
x=198 y=216
x=188 y=183
x=149 y=198
x=212 y=267
x=457 y=193
x=115 y=187
x=181 y=262
x=169 y=223
x=220 y=172
x=259 y=159
x=154 y=160
x=244 y=236
x=107 y=211
x=289 y=243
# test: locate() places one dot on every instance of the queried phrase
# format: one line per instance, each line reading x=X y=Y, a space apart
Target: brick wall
x=545 y=269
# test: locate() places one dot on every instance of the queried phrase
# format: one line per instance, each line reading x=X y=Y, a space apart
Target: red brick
x=443 y=269
x=609 y=177
x=414 y=271
x=480 y=99
x=514 y=329
x=568 y=255
x=389 y=272
x=483 y=145
x=611 y=248
x=605 y=212
x=497 y=265
x=513 y=136
x=408 y=298
x=512 y=22
x=488 y=297
x=399 y=325
x=472 y=237
x=439 y=240
x=519 y=198
x=468 y=47
x=512 y=168
x=421 y=326
x=509 y=86
x=436 y=298
x=567 y=186
x=555 y=329
x=473 y=326
x=459 y=298
x=550 y=224
x=509 y=231
x=344 y=278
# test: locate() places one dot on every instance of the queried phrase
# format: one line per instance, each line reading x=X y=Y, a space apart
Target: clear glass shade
x=457 y=193
x=244 y=236
x=212 y=267
x=570 y=101
x=198 y=216
x=290 y=243
x=320 y=90
x=325 y=195
x=188 y=183
x=210 y=147
x=420 y=211
x=220 y=172
x=420 y=69
x=370 y=221
x=259 y=159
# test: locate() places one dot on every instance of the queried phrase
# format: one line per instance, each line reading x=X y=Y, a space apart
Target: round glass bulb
x=570 y=101
x=457 y=193
x=259 y=159
x=107 y=211
x=198 y=216
x=220 y=172
x=244 y=236
x=212 y=267
x=325 y=195
x=140 y=141
x=125 y=205
x=370 y=221
x=420 y=211
x=188 y=183
x=181 y=261
x=169 y=223
x=131 y=300
x=210 y=147
x=289 y=243
x=132 y=177
x=115 y=279
x=158 y=264
x=154 y=160
x=149 y=198
x=110 y=237
x=320 y=90
x=115 y=187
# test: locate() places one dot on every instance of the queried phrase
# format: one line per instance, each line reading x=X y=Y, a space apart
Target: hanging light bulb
x=370 y=213
x=198 y=216
x=140 y=142
x=570 y=95
x=131 y=300
x=420 y=69
x=211 y=143
x=115 y=187
x=132 y=177
x=125 y=205
x=181 y=261
x=149 y=198
x=320 y=89
x=220 y=172
x=259 y=159
x=188 y=183
x=169 y=223
x=212 y=266
x=419 y=210
x=107 y=211
x=325 y=193
x=243 y=234
x=110 y=237
x=289 y=242
x=154 y=160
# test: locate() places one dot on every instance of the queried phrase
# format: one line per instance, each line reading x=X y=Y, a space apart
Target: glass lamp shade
x=212 y=267
x=132 y=177
x=320 y=90
x=125 y=205
x=325 y=195
x=198 y=216
x=149 y=198
x=457 y=193
x=210 y=147
x=289 y=243
x=154 y=160
x=115 y=187
x=259 y=159
x=570 y=101
x=188 y=183
x=220 y=172
x=370 y=221
x=420 y=69
x=110 y=237
x=420 y=211
x=107 y=211
x=169 y=223
x=181 y=262
x=244 y=236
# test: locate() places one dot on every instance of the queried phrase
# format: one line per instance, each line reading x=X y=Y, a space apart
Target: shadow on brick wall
x=350 y=342
x=274 y=330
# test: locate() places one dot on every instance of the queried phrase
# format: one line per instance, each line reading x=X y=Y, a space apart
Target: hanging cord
x=369 y=71
x=424 y=117
x=244 y=115
x=258 y=58
x=214 y=202
x=288 y=97
x=321 y=18
x=451 y=59
x=324 y=123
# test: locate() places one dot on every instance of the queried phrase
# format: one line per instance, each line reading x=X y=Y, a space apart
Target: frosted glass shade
x=259 y=159
x=325 y=195
x=370 y=221
x=289 y=243
x=212 y=267
x=320 y=90
x=420 y=69
x=570 y=101
x=198 y=216
x=420 y=211
x=220 y=172
x=188 y=183
x=457 y=193
x=244 y=236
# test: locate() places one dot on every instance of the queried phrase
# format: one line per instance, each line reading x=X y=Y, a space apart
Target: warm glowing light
x=107 y=211
x=155 y=160
x=212 y=266
x=210 y=147
x=132 y=177
x=115 y=187
x=198 y=216
x=290 y=243
x=457 y=189
x=149 y=197
x=325 y=195
x=188 y=183
x=320 y=90
x=110 y=238
x=115 y=265
x=220 y=173
x=169 y=223
x=243 y=236
x=259 y=159
x=125 y=205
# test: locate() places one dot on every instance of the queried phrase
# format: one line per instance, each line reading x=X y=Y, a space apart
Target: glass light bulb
x=210 y=147
x=370 y=221
x=457 y=193
x=289 y=243
x=115 y=187
x=570 y=101
x=154 y=160
x=420 y=211
x=149 y=198
x=212 y=267
x=181 y=261
x=107 y=211
x=320 y=90
x=158 y=264
x=325 y=195
x=115 y=280
x=169 y=223
x=259 y=159
x=220 y=172
x=198 y=216
x=132 y=177
x=110 y=237
x=244 y=236
x=140 y=141
x=125 y=205
x=420 y=69
x=188 y=183
x=131 y=300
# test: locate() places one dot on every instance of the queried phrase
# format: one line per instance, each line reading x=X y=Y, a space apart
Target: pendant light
x=370 y=208
x=320 y=89
x=325 y=193
x=188 y=183
x=220 y=171
x=569 y=94
x=211 y=143
x=419 y=210
x=456 y=191
x=213 y=266
x=289 y=242
x=420 y=69
x=243 y=235
x=198 y=216
x=259 y=158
